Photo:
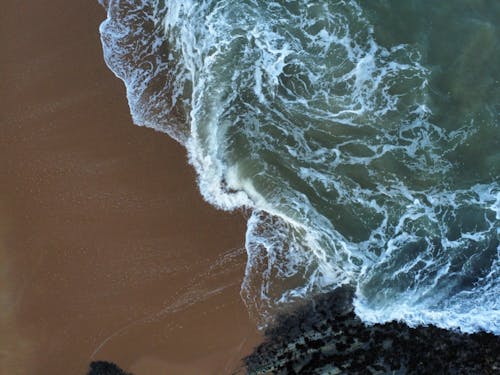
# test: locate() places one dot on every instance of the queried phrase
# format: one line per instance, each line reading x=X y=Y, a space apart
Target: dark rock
x=308 y=339
x=105 y=368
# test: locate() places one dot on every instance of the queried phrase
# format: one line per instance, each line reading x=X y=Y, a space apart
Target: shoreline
x=110 y=252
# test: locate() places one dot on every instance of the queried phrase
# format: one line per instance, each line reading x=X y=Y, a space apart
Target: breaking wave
x=364 y=138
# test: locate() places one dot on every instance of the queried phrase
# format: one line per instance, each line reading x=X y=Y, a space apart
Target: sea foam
x=298 y=113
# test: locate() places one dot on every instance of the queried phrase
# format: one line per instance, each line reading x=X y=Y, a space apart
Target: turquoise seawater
x=362 y=136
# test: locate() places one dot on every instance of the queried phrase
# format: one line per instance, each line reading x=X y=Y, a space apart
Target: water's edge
x=320 y=217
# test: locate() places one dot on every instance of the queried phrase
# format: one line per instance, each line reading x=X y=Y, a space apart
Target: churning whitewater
x=364 y=137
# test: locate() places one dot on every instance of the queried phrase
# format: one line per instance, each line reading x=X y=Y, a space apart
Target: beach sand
x=107 y=250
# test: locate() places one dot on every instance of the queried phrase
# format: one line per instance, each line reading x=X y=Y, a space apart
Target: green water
x=363 y=138
x=459 y=41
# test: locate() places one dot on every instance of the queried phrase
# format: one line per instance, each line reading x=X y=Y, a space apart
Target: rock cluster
x=326 y=337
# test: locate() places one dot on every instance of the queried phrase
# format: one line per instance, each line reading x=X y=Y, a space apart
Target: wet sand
x=107 y=250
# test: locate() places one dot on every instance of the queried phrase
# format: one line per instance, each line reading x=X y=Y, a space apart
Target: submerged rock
x=105 y=368
x=326 y=337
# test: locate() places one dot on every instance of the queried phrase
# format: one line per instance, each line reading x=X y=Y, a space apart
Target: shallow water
x=363 y=136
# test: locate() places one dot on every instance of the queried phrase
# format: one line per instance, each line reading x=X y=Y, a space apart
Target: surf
x=352 y=140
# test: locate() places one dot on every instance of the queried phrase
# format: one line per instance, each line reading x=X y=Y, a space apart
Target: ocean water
x=363 y=138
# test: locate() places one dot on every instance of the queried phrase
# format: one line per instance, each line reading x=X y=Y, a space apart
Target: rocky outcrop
x=326 y=337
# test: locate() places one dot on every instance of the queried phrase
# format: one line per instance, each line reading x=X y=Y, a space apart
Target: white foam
x=228 y=70
x=132 y=49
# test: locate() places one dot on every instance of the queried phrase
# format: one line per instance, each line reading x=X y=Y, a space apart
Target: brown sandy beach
x=107 y=250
